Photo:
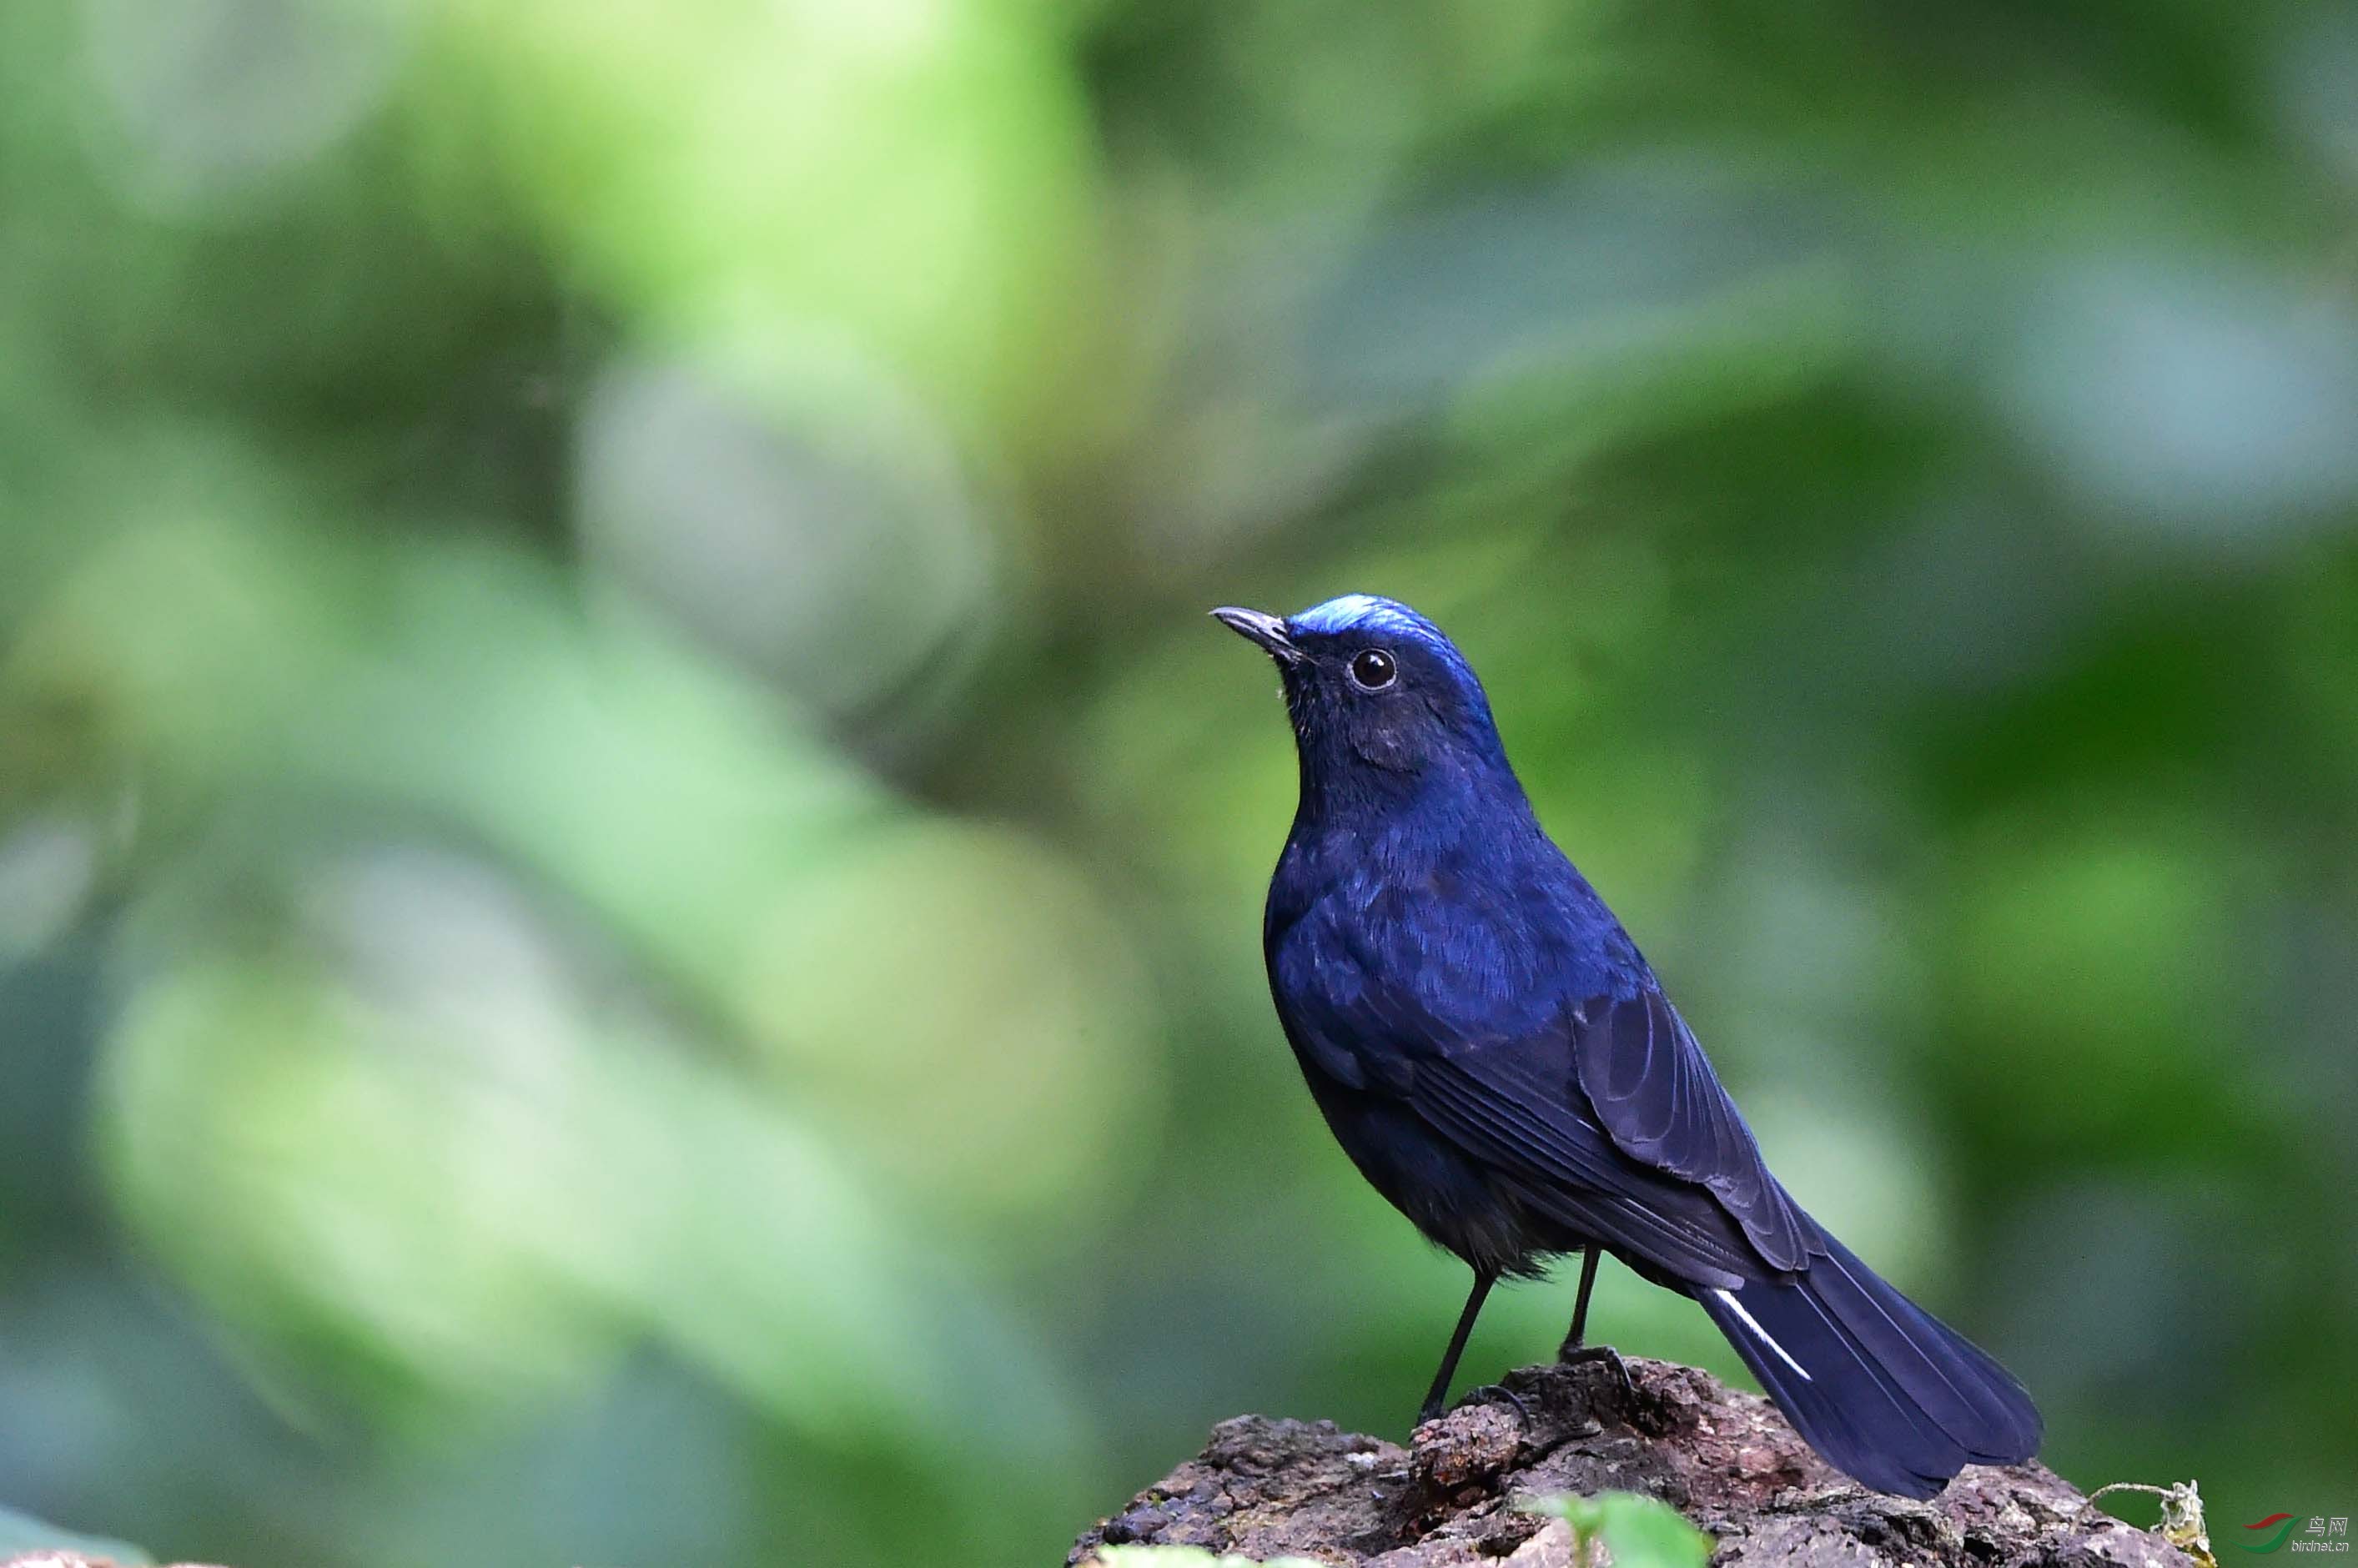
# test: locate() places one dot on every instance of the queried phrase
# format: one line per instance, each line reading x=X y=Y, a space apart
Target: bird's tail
x=1884 y=1390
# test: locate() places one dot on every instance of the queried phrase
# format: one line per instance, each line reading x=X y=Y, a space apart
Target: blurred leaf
x=21 y=1534
x=1639 y=1532
x=1188 y=1557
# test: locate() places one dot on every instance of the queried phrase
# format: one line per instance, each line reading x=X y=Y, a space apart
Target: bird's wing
x=1604 y=1117
x=1655 y=1094
x=1535 y=1129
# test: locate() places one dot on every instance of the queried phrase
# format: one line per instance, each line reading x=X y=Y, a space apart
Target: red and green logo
x=2276 y=1526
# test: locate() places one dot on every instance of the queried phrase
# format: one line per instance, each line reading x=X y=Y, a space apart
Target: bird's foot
x=1493 y=1393
x=1488 y=1393
x=1571 y=1354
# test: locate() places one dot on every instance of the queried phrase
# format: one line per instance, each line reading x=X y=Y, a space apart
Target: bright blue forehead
x=1365 y=612
x=1389 y=622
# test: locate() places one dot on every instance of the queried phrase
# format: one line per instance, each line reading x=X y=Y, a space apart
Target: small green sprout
x=1638 y=1531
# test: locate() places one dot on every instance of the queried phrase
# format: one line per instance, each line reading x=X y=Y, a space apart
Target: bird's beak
x=1266 y=631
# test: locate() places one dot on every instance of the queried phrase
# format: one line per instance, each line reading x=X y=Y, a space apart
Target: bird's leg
x=1439 y=1392
x=1572 y=1341
x=1571 y=1351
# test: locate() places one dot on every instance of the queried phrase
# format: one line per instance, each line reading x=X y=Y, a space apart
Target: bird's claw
x=1573 y=1355
x=1490 y=1393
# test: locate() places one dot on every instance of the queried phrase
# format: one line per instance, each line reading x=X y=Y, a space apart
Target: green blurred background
x=630 y=879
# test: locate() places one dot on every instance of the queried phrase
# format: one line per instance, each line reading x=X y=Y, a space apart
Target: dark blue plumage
x=1494 y=1056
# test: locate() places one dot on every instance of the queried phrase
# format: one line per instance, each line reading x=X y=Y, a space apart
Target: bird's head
x=1371 y=684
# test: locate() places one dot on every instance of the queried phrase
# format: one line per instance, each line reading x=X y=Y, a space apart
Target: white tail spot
x=1754 y=1324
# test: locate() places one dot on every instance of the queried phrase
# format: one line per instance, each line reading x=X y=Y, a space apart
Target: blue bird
x=1497 y=1059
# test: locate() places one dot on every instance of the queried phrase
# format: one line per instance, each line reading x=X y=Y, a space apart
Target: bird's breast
x=1418 y=953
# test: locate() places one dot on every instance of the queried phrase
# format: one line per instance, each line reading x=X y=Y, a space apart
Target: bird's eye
x=1373 y=669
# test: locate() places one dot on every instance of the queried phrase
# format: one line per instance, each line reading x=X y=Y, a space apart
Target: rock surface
x=1264 y=1488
